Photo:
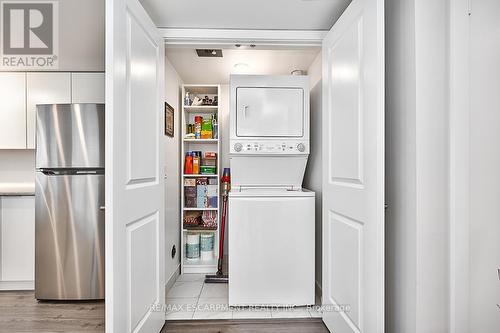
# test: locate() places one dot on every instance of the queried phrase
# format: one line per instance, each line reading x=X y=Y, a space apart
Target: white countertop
x=24 y=188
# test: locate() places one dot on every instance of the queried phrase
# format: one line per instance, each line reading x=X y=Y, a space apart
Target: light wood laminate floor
x=21 y=312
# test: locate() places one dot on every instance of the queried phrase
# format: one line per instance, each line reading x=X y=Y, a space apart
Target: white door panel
x=44 y=88
x=13 y=111
x=87 y=87
x=135 y=280
x=267 y=112
x=353 y=170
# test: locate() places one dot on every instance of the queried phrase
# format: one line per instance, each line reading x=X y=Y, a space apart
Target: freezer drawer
x=271 y=250
x=269 y=112
x=69 y=236
x=70 y=136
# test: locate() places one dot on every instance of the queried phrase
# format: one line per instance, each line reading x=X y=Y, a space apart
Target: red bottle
x=188 y=164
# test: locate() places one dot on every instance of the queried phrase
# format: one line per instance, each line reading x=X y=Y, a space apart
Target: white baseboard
x=173 y=277
x=17 y=285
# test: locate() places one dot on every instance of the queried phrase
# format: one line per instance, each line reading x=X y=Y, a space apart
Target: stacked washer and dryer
x=270 y=217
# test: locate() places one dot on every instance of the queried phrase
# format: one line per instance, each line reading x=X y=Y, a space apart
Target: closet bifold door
x=353 y=170
x=135 y=185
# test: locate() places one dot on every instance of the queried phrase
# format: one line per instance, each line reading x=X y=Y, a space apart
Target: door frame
x=274 y=39
x=224 y=37
x=221 y=38
x=459 y=164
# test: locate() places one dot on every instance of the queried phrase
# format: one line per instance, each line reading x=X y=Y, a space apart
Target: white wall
x=484 y=167
x=173 y=84
x=400 y=189
x=432 y=167
x=17 y=166
x=224 y=109
x=81 y=35
x=224 y=124
x=417 y=233
x=313 y=177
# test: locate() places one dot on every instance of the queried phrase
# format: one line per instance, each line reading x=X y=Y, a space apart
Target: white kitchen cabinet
x=17 y=242
x=12 y=111
x=44 y=88
x=87 y=87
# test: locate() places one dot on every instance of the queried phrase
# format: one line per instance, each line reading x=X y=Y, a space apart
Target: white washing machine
x=270 y=216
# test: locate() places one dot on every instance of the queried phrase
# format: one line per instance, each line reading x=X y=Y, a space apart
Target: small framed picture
x=169 y=120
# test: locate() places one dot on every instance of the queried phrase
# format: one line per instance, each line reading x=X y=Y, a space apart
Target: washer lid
x=270 y=192
x=267 y=171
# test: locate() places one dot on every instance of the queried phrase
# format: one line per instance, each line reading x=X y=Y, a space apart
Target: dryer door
x=269 y=112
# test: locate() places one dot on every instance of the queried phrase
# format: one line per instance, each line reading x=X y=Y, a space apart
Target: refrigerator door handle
x=49 y=172
x=86 y=172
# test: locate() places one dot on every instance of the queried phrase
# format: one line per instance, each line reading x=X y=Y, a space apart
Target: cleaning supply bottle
x=196 y=163
x=215 y=127
x=188 y=163
x=197 y=126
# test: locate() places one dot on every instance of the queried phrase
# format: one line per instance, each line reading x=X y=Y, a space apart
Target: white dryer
x=270 y=216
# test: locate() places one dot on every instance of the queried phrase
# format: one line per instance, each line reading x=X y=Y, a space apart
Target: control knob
x=237 y=147
x=301 y=147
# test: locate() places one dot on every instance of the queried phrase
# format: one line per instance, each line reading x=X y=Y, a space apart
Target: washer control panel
x=269 y=147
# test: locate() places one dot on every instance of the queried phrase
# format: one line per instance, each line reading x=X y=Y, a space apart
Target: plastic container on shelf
x=206 y=129
x=198 y=120
x=206 y=246
x=196 y=162
x=193 y=246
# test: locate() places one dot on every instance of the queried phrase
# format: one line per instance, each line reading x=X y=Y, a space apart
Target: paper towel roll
x=207 y=246
x=193 y=246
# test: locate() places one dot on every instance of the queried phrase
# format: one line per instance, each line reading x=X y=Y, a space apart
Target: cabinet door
x=45 y=88
x=17 y=242
x=87 y=87
x=12 y=111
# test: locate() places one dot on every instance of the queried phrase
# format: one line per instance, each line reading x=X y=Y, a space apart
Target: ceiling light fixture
x=242 y=46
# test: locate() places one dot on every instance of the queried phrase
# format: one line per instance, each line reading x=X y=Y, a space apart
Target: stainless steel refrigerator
x=69 y=195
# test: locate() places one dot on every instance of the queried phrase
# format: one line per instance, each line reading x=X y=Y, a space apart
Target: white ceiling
x=246 y=14
x=193 y=69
